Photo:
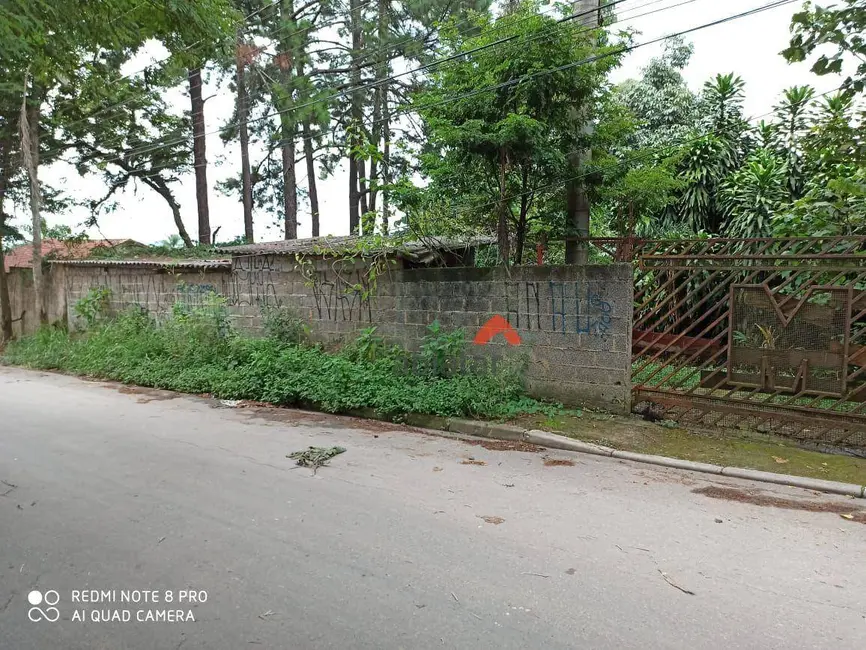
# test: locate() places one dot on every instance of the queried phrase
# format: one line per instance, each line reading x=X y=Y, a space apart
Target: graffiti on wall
x=193 y=294
x=155 y=292
x=252 y=282
x=341 y=296
x=497 y=325
x=565 y=307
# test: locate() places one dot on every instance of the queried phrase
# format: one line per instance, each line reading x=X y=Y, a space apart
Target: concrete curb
x=496 y=431
x=545 y=439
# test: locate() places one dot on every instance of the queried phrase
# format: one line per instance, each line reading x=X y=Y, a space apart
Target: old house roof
x=167 y=263
x=57 y=249
x=338 y=245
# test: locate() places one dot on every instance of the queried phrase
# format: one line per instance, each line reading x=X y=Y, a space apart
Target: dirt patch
x=296 y=416
x=755 y=497
x=669 y=477
x=504 y=445
x=558 y=462
x=148 y=394
x=492 y=520
x=472 y=461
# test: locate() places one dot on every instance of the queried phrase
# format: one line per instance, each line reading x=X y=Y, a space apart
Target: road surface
x=407 y=540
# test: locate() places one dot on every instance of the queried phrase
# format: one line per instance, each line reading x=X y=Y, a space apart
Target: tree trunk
x=386 y=161
x=5 y=304
x=243 y=116
x=309 y=158
x=288 y=126
x=577 y=205
x=159 y=186
x=313 y=190
x=30 y=152
x=502 y=224
x=357 y=118
x=354 y=214
x=362 y=190
x=290 y=184
x=386 y=164
x=199 y=155
x=379 y=94
x=521 y=223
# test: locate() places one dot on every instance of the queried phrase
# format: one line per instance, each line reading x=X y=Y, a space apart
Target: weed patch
x=197 y=351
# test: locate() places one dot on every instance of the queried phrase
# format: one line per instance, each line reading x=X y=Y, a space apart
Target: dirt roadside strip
x=556 y=441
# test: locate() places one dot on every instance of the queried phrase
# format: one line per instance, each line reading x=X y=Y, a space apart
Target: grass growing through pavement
x=196 y=351
x=728 y=448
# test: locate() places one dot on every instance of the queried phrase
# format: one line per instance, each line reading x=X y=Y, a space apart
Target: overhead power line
x=154 y=65
x=366 y=55
x=647 y=154
x=478 y=91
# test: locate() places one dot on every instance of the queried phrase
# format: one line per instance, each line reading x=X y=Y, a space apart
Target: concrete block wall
x=574 y=323
x=22 y=300
x=154 y=289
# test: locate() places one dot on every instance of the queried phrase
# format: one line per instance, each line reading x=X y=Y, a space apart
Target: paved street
x=406 y=541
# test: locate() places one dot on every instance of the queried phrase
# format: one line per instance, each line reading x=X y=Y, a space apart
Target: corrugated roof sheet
x=166 y=263
x=322 y=245
x=21 y=257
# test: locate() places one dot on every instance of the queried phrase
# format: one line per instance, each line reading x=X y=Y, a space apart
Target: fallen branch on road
x=674 y=584
x=315 y=457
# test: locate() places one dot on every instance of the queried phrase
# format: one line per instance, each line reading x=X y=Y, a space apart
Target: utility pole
x=577 y=204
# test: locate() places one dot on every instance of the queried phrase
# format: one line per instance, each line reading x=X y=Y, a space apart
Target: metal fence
x=767 y=334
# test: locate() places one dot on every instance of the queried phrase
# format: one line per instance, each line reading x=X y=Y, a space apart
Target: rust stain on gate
x=768 y=334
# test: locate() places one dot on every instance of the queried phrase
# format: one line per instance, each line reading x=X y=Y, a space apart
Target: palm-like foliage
x=792 y=114
x=753 y=195
x=709 y=160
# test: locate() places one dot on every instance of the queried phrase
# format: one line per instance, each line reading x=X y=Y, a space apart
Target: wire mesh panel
x=759 y=333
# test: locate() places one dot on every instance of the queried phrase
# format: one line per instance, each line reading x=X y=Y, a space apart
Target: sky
x=749 y=47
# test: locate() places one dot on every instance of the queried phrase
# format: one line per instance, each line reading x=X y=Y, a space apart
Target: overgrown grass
x=198 y=352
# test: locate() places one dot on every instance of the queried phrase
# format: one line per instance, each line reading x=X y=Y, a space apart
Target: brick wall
x=574 y=323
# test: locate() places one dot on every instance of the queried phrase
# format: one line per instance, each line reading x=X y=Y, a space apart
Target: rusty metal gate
x=767 y=334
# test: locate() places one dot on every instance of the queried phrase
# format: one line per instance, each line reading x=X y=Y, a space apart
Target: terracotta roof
x=323 y=245
x=22 y=256
x=158 y=263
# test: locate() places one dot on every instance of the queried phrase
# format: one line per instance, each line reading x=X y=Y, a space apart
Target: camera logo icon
x=50 y=613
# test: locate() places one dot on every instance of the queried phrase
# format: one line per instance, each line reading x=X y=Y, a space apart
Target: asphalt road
x=403 y=542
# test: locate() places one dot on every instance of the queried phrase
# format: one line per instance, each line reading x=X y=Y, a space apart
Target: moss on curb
x=727 y=448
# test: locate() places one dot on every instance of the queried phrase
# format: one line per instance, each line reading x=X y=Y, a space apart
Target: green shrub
x=284 y=325
x=94 y=306
x=369 y=346
x=442 y=353
x=195 y=351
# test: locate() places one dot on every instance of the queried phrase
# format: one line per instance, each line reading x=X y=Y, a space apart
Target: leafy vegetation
x=94 y=306
x=463 y=117
x=196 y=351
